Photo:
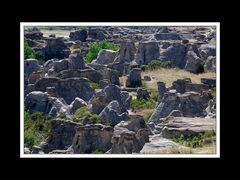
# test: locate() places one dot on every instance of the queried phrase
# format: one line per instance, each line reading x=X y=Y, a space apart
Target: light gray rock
x=194 y=64
x=80 y=35
x=30 y=66
x=134 y=78
x=76 y=104
x=147 y=51
x=106 y=56
x=127 y=51
x=210 y=64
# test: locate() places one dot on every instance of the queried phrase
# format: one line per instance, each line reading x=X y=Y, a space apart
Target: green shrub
x=213 y=92
x=142 y=104
x=83 y=112
x=157 y=64
x=94 y=85
x=97 y=151
x=94 y=49
x=196 y=141
x=155 y=95
x=28 y=52
x=36 y=128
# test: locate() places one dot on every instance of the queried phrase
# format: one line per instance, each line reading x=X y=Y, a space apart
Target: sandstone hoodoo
x=120 y=90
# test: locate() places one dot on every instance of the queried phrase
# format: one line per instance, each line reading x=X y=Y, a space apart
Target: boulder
x=35 y=76
x=167 y=36
x=161 y=88
x=36 y=35
x=43 y=83
x=194 y=64
x=143 y=93
x=106 y=56
x=111 y=75
x=76 y=104
x=103 y=83
x=188 y=126
x=93 y=137
x=200 y=88
x=127 y=51
x=134 y=78
x=157 y=143
x=37 y=101
x=55 y=48
x=180 y=85
x=190 y=104
x=210 y=64
x=147 y=51
x=71 y=88
x=80 y=35
x=211 y=82
x=111 y=113
x=61 y=136
x=207 y=50
x=175 y=53
x=76 y=61
x=146 y=78
x=30 y=66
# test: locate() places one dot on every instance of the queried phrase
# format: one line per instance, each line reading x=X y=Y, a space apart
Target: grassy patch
x=157 y=64
x=28 y=52
x=36 y=128
x=94 y=85
x=142 y=104
x=83 y=112
x=213 y=92
x=97 y=151
x=196 y=141
x=94 y=49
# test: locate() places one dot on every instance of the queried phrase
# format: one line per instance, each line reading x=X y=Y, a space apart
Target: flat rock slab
x=157 y=143
x=184 y=125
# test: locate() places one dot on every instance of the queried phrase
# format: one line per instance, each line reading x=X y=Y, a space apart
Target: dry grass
x=170 y=75
x=210 y=149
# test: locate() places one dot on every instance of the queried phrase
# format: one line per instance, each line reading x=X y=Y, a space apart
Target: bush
x=155 y=95
x=94 y=85
x=157 y=64
x=196 y=141
x=36 y=128
x=83 y=112
x=94 y=49
x=142 y=104
x=28 y=52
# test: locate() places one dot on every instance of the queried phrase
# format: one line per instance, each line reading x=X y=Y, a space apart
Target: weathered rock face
x=180 y=85
x=35 y=76
x=200 y=88
x=161 y=88
x=112 y=113
x=211 y=82
x=91 y=74
x=102 y=98
x=188 y=126
x=97 y=34
x=147 y=51
x=76 y=104
x=130 y=136
x=92 y=137
x=37 y=101
x=194 y=64
x=119 y=66
x=30 y=66
x=56 y=48
x=167 y=36
x=190 y=104
x=134 y=78
x=80 y=35
x=210 y=64
x=43 y=83
x=175 y=53
x=71 y=88
x=111 y=75
x=207 y=50
x=61 y=138
x=211 y=108
x=76 y=61
x=37 y=35
x=143 y=93
x=127 y=51
x=104 y=83
x=58 y=66
x=106 y=56
x=157 y=143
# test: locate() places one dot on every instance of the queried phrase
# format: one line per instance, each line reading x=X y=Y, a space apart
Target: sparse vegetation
x=157 y=64
x=28 y=52
x=97 y=151
x=94 y=49
x=83 y=112
x=94 y=85
x=196 y=140
x=36 y=128
x=142 y=104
